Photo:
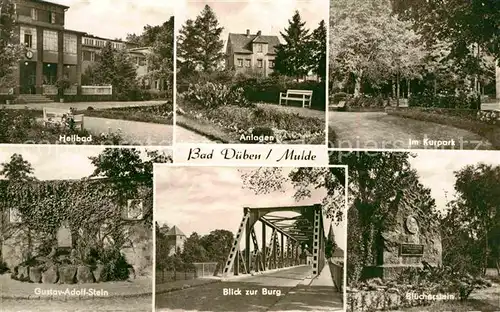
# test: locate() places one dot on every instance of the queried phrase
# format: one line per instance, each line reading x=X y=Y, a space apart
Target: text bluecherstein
x=75 y=138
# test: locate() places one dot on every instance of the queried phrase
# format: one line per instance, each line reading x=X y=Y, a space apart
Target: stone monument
x=409 y=238
x=64 y=238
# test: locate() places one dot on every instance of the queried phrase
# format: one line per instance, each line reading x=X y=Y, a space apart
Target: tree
x=199 y=45
x=370 y=43
x=193 y=251
x=476 y=209
x=293 y=58
x=318 y=51
x=217 y=245
x=10 y=53
x=117 y=69
x=17 y=169
x=162 y=56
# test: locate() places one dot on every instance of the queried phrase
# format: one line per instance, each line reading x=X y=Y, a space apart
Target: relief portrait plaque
x=412 y=225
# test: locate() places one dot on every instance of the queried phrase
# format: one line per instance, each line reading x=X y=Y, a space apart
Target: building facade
x=251 y=52
x=54 y=52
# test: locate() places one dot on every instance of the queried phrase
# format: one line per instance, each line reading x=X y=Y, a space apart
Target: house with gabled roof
x=177 y=236
x=251 y=52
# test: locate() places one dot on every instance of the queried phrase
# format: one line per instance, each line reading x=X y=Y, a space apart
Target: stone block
x=35 y=274
x=22 y=272
x=50 y=276
x=98 y=273
x=67 y=274
x=84 y=275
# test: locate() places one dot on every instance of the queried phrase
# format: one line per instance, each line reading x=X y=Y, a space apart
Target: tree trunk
x=357 y=84
x=435 y=86
x=393 y=87
x=398 y=89
x=408 y=81
x=497 y=70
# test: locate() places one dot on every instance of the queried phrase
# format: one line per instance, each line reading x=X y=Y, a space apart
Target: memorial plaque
x=64 y=239
x=14 y=216
x=415 y=250
x=134 y=209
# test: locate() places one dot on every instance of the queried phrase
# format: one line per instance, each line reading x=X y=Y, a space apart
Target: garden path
x=183 y=135
x=378 y=130
x=132 y=132
x=84 y=105
x=489 y=295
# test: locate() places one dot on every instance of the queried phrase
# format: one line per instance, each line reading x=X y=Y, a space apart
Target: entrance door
x=28 y=78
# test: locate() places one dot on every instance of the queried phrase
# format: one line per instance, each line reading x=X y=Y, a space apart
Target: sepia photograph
x=251 y=72
x=77 y=228
x=85 y=72
x=423 y=235
x=249 y=238
x=420 y=74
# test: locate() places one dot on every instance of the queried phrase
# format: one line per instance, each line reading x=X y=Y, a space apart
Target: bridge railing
x=337 y=271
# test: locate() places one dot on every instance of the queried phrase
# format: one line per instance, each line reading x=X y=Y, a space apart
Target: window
x=28 y=40
x=240 y=62
x=259 y=63
x=70 y=43
x=87 y=56
x=247 y=63
x=34 y=14
x=52 y=17
x=271 y=63
x=134 y=209
x=259 y=47
x=50 y=40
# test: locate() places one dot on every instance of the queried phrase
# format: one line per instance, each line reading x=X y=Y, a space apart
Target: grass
x=20 y=126
x=455 y=119
x=160 y=114
x=229 y=122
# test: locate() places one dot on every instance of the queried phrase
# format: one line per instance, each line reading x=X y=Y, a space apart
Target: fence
x=201 y=269
x=97 y=90
x=337 y=271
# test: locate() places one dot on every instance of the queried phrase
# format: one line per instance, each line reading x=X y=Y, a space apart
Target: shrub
x=3 y=267
x=364 y=101
x=337 y=97
x=462 y=100
x=213 y=95
x=90 y=108
x=116 y=267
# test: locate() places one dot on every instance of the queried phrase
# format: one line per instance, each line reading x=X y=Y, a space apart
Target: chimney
x=248 y=32
x=259 y=33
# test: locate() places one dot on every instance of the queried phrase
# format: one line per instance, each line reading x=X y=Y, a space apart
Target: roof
x=241 y=43
x=175 y=231
x=52 y=3
x=338 y=253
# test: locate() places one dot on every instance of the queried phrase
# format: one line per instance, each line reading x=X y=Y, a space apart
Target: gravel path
x=378 y=130
x=183 y=135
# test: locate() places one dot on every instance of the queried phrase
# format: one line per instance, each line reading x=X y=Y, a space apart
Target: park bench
x=61 y=116
x=303 y=96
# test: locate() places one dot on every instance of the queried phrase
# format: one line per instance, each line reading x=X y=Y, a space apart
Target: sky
x=55 y=162
x=436 y=167
x=270 y=17
x=202 y=199
x=115 y=18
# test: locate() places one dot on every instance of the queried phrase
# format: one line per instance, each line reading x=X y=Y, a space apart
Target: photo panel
x=85 y=72
x=414 y=75
x=422 y=230
x=77 y=228
x=251 y=72
x=249 y=238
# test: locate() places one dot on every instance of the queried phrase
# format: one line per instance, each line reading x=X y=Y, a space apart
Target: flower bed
x=161 y=114
x=285 y=127
x=21 y=127
x=483 y=123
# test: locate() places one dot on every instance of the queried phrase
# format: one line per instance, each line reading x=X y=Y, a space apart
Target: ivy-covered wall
x=95 y=211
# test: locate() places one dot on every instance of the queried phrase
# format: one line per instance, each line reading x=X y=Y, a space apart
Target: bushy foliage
x=366 y=101
x=116 y=267
x=461 y=101
x=213 y=95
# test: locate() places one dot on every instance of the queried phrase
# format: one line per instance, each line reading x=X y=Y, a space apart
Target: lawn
x=229 y=122
x=20 y=126
x=161 y=114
